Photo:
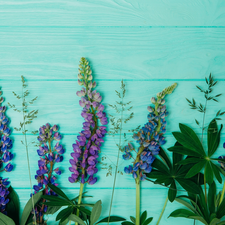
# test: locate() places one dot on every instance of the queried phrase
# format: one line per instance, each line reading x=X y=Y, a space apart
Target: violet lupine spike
x=150 y=137
x=47 y=171
x=87 y=147
x=5 y=156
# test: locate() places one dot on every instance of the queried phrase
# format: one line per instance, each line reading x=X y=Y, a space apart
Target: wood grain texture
x=149 y=44
x=115 y=53
x=112 y=13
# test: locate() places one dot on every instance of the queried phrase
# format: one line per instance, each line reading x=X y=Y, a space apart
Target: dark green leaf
x=213 y=137
x=143 y=217
x=75 y=218
x=5 y=220
x=29 y=206
x=133 y=219
x=63 y=214
x=52 y=209
x=148 y=221
x=182 y=213
x=196 y=168
x=192 y=139
x=212 y=197
x=61 y=223
x=221 y=209
x=112 y=219
x=13 y=206
x=208 y=173
x=189 y=161
x=160 y=166
x=58 y=191
x=96 y=212
x=189 y=185
x=215 y=221
x=186 y=204
x=127 y=223
x=185 y=151
x=201 y=219
x=172 y=191
x=165 y=158
x=216 y=171
x=176 y=158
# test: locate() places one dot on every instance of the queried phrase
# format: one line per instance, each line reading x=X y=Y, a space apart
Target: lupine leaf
x=165 y=158
x=5 y=220
x=188 y=161
x=148 y=221
x=127 y=223
x=182 y=213
x=195 y=169
x=112 y=219
x=212 y=197
x=13 y=206
x=189 y=185
x=208 y=173
x=216 y=171
x=143 y=217
x=201 y=219
x=216 y=221
x=52 y=209
x=172 y=191
x=29 y=206
x=213 y=137
x=58 y=191
x=63 y=214
x=133 y=219
x=75 y=218
x=160 y=166
x=96 y=212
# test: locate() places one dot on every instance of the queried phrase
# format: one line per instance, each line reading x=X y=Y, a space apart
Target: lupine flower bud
x=87 y=147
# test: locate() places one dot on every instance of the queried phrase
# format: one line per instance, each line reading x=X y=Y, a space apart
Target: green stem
x=79 y=199
x=222 y=194
x=160 y=217
x=137 y=201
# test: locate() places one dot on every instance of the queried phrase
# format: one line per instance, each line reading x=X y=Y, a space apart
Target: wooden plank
x=115 y=53
x=112 y=13
x=58 y=104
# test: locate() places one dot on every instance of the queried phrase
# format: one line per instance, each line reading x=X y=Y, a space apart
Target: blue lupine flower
x=150 y=137
x=48 y=157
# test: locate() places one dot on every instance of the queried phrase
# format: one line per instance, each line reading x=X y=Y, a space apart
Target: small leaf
x=5 y=220
x=172 y=191
x=208 y=173
x=112 y=219
x=148 y=221
x=182 y=213
x=96 y=212
x=133 y=219
x=58 y=191
x=143 y=217
x=29 y=206
x=127 y=223
x=75 y=218
x=65 y=213
x=196 y=168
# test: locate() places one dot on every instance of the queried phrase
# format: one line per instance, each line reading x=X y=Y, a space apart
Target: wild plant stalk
x=202 y=109
x=27 y=118
x=117 y=128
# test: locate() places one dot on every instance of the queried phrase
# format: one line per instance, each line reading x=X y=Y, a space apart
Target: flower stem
x=222 y=194
x=79 y=199
x=162 y=211
x=137 y=201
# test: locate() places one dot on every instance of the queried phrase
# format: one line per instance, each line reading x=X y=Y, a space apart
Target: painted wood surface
x=149 y=44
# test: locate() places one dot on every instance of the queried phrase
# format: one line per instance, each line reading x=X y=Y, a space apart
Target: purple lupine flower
x=5 y=157
x=90 y=139
x=48 y=157
x=150 y=137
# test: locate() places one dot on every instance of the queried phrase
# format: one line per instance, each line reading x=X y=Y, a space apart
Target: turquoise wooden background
x=149 y=44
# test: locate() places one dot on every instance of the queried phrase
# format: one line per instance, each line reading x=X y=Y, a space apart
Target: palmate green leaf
x=75 y=218
x=196 y=168
x=96 y=212
x=213 y=137
x=184 y=151
x=172 y=191
x=188 y=161
x=148 y=221
x=58 y=191
x=63 y=214
x=160 y=166
x=199 y=218
x=13 y=206
x=176 y=158
x=143 y=217
x=216 y=171
x=182 y=213
x=29 y=206
x=212 y=198
x=5 y=220
x=111 y=220
x=165 y=158
x=189 y=185
x=191 y=140
x=208 y=173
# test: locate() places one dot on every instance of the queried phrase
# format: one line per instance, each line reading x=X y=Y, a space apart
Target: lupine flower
x=90 y=139
x=150 y=137
x=5 y=156
x=47 y=164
